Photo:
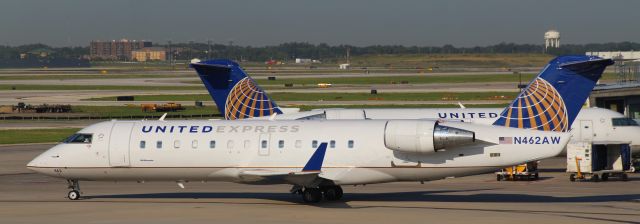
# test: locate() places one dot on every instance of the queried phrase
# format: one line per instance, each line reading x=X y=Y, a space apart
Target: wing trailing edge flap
x=308 y=176
x=275 y=177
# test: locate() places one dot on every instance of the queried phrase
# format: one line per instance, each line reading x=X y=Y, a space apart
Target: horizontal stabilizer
x=592 y=68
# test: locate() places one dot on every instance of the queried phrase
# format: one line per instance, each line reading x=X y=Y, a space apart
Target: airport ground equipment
x=527 y=171
x=167 y=107
x=597 y=161
x=42 y=108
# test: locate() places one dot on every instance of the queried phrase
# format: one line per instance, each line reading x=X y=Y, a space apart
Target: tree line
x=292 y=50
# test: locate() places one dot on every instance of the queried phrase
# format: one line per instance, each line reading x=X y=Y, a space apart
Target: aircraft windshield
x=623 y=121
x=79 y=138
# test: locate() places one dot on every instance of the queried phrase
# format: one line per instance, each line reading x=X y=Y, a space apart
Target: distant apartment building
x=116 y=49
x=149 y=54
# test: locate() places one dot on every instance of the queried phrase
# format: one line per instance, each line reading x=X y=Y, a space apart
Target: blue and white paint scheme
x=314 y=156
x=551 y=101
x=236 y=94
x=591 y=124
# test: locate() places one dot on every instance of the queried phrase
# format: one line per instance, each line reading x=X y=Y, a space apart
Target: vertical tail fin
x=553 y=99
x=236 y=95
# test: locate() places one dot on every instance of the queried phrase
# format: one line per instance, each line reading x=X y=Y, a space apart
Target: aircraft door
x=264 y=145
x=119 y=144
x=586 y=130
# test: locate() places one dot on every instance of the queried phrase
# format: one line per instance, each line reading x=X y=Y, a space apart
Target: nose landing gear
x=74 y=194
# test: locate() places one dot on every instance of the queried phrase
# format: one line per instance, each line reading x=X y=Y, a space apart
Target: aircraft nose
x=40 y=161
x=36 y=162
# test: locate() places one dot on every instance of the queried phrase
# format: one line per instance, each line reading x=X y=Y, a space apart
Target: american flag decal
x=505 y=140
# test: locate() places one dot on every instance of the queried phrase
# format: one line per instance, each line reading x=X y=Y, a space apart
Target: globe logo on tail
x=246 y=100
x=539 y=107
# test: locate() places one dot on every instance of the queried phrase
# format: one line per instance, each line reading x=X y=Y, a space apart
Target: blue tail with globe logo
x=553 y=99
x=236 y=95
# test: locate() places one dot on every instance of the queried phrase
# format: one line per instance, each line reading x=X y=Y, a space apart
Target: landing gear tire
x=605 y=176
x=311 y=195
x=536 y=176
x=595 y=178
x=572 y=177
x=333 y=193
x=73 y=195
x=625 y=177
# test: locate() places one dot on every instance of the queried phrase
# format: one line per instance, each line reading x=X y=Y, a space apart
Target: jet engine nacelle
x=424 y=136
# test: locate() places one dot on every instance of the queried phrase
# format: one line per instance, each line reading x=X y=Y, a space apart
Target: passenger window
x=298 y=144
x=332 y=144
x=143 y=144
x=194 y=144
x=230 y=144
x=159 y=144
x=350 y=144
x=264 y=144
x=247 y=144
x=281 y=144
x=314 y=144
x=212 y=144
x=79 y=138
x=176 y=144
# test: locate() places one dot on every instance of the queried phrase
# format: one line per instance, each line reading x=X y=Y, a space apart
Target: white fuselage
x=591 y=124
x=185 y=151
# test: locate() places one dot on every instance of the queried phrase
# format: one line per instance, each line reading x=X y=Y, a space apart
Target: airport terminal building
x=622 y=96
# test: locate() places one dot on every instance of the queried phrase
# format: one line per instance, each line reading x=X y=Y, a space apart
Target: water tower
x=551 y=39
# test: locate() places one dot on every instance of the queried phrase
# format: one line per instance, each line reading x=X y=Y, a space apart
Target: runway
x=26 y=197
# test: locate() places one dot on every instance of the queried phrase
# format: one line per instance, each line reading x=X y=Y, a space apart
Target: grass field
x=35 y=135
x=86 y=76
x=135 y=110
x=434 y=96
x=304 y=82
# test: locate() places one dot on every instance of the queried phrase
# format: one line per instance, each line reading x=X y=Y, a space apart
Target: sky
x=356 y=22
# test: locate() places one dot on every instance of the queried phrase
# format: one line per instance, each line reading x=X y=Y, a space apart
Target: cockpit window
x=623 y=121
x=79 y=138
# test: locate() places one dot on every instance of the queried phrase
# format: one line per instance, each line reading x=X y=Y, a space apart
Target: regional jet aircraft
x=316 y=157
x=233 y=92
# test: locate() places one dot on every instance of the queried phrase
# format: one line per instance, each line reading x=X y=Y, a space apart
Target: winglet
x=315 y=162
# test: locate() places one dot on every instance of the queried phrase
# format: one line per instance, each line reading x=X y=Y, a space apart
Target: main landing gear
x=74 y=194
x=315 y=194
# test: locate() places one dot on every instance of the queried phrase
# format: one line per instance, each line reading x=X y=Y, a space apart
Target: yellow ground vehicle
x=527 y=171
x=167 y=107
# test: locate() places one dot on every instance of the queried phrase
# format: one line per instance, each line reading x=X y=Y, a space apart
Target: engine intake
x=424 y=136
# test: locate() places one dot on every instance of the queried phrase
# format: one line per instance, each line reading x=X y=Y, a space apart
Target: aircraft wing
x=308 y=176
x=274 y=177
